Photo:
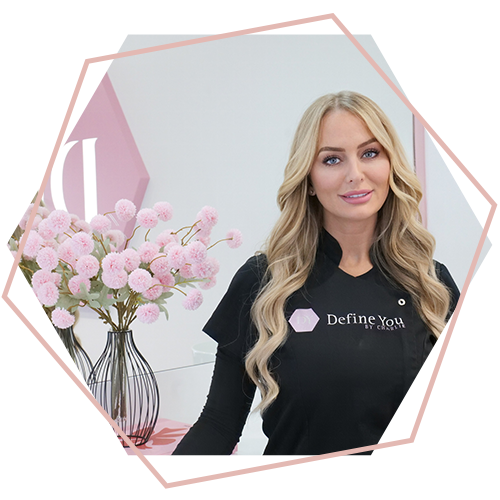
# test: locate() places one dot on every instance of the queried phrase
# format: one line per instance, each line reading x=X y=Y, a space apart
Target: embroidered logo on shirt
x=370 y=322
x=303 y=320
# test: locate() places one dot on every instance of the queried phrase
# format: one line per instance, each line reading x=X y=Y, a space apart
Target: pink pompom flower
x=87 y=265
x=176 y=256
x=166 y=279
x=154 y=291
x=159 y=265
x=39 y=278
x=56 y=279
x=31 y=301
x=43 y=211
x=139 y=280
x=147 y=218
x=235 y=238
x=74 y=284
x=147 y=251
x=164 y=210
x=166 y=237
x=196 y=252
x=125 y=210
x=62 y=318
x=113 y=263
x=214 y=265
x=83 y=226
x=208 y=216
x=115 y=281
x=50 y=244
x=45 y=230
x=206 y=285
x=193 y=300
x=47 y=258
x=148 y=313
x=48 y=294
x=115 y=236
x=82 y=244
x=203 y=269
x=132 y=259
x=65 y=252
x=186 y=271
x=59 y=221
x=100 y=223
x=33 y=244
x=36 y=222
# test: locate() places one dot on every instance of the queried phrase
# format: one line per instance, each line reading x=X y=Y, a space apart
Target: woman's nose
x=354 y=171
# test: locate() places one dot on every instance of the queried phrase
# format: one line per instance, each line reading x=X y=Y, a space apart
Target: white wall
x=213 y=123
x=459 y=106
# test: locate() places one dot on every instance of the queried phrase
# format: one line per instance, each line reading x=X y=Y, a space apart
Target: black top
x=355 y=345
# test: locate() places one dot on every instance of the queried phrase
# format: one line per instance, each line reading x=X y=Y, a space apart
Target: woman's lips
x=357 y=197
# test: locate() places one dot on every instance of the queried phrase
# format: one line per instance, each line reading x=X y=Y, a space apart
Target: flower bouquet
x=73 y=263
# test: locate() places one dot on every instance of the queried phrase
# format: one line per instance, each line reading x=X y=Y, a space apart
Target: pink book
x=163 y=441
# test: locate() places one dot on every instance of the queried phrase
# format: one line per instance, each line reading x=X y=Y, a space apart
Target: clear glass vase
x=125 y=386
x=45 y=374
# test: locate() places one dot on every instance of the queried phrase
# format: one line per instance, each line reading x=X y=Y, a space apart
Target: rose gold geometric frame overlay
x=416 y=115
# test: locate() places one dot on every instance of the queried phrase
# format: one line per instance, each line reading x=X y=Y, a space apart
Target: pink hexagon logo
x=303 y=320
x=98 y=162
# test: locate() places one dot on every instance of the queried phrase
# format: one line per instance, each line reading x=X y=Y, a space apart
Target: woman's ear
x=311 y=191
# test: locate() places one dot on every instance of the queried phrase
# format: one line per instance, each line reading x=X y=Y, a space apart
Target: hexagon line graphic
x=451 y=324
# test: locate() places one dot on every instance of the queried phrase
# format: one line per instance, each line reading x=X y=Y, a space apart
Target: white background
x=335 y=478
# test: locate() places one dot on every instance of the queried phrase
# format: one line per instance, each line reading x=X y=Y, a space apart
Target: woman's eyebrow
x=330 y=148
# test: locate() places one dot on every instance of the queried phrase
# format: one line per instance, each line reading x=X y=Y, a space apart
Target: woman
x=333 y=322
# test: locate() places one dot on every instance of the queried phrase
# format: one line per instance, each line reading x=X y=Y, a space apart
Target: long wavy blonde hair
x=399 y=238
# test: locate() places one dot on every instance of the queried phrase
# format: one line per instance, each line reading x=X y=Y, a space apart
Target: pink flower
x=43 y=211
x=56 y=279
x=139 y=280
x=154 y=291
x=45 y=230
x=196 y=252
x=36 y=222
x=33 y=243
x=115 y=236
x=208 y=216
x=88 y=266
x=47 y=258
x=159 y=265
x=206 y=285
x=147 y=218
x=186 y=271
x=214 y=264
x=113 y=263
x=62 y=318
x=166 y=279
x=65 y=252
x=59 y=221
x=50 y=244
x=202 y=230
x=83 y=226
x=204 y=239
x=236 y=239
x=193 y=300
x=82 y=243
x=176 y=256
x=166 y=237
x=164 y=210
x=40 y=278
x=132 y=259
x=100 y=223
x=147 y=251
x=203 y=269
x=74 y=218
x=115 y=281
x=74 y=284
x=30 y=300
x=125 y=210
x=148 y=313
x=48 y=294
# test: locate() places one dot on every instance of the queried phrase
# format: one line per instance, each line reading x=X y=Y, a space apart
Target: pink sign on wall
x=100 y=163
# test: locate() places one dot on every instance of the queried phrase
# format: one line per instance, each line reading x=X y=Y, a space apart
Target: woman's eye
x=331 y=160
x=371 y=153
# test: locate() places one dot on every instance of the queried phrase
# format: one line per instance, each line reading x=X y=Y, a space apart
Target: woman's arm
x=458 y=423
x=221 y=422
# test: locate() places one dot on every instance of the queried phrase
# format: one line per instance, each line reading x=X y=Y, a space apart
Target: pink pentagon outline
x=415 y=113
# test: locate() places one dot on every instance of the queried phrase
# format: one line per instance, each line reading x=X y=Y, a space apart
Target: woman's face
x=350 y=175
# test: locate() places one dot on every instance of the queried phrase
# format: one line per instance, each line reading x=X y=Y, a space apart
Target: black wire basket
x=125 y=386
x=45 y=374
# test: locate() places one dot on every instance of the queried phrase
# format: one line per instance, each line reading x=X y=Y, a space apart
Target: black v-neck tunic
x=354 y=347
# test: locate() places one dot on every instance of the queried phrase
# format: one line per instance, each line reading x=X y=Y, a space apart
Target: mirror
x=213 y=123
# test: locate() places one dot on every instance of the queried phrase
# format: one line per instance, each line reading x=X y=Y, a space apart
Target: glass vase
x=125 y=386
x=45 y=374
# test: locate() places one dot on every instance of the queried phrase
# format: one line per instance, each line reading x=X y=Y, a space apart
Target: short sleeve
x=469 y=339
x=230 y=325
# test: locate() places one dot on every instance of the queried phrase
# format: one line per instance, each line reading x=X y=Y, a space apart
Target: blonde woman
x=333 y=321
